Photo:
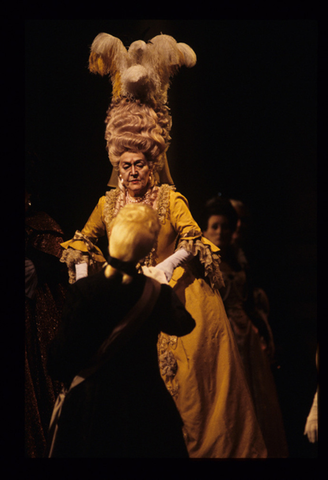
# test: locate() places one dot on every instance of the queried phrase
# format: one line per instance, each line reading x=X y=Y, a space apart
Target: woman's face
x=134 y=170
x=218 y=231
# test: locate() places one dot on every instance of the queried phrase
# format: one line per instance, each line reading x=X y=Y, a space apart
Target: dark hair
x=219 y=206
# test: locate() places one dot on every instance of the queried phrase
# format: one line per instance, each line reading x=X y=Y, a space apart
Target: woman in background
x=219 y=224
x=45 y=292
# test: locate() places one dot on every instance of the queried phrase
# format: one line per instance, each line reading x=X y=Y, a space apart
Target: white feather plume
x=144 y=70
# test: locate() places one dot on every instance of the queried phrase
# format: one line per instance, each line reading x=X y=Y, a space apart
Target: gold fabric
x=202 y=370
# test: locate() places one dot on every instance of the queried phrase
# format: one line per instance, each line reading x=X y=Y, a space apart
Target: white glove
x=311 y=427
x=173 y=261
x=155 y=273
x=81 y=270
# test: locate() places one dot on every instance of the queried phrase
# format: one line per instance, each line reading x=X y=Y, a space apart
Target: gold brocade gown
x=202 y=370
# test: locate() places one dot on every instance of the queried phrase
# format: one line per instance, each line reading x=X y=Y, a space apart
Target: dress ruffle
x=78 y=250
x=209 y=259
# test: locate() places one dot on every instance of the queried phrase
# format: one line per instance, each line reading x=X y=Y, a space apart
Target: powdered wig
x=133 y=232
x=138 y=118
x=134 y=126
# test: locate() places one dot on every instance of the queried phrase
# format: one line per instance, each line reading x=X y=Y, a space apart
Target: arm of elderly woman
x=188 y=231
x=169 y=264
x=82 y=246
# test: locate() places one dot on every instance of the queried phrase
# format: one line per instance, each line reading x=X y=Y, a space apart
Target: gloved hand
x=311 y=426
x=81 y=270
x=155 y=273
x=173 y=261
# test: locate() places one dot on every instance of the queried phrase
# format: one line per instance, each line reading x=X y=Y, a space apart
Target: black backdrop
x=244 y=124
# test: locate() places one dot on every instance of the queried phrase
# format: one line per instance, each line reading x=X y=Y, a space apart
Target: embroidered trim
x=163 y=202
x=167 y=361
x=209 y=259
x=194 y=232
x=114 y=202
x=148 y=199
x=71 y=256
x=90 y=246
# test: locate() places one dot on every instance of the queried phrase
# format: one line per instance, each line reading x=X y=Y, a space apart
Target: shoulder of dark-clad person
x=175 y=319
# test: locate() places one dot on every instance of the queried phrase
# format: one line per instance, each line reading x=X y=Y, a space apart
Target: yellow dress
x=202 y=370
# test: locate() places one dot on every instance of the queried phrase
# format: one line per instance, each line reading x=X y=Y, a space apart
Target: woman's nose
x=133 y=170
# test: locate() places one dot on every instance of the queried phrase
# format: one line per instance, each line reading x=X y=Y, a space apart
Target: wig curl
x=140 y=77
x=133 y=232
x=134 y=126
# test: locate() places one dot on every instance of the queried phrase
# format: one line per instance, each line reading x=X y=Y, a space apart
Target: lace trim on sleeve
x=72 y=256
x=209 y=259
x=90 y=246
x=193 y=234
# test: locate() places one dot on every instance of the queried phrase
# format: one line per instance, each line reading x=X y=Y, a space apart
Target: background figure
x=241 y=238
x=311 y=426
x=45 y=289
x=253 y=335
x=122 y=410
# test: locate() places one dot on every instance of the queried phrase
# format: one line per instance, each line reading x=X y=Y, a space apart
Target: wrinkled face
x=134 y=170
x=218 y=231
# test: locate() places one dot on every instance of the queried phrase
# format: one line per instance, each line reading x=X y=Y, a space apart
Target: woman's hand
x=173 y=261
x=311 y=426
x=155 y=273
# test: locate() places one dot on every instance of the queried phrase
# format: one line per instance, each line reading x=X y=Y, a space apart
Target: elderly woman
x=202 y=371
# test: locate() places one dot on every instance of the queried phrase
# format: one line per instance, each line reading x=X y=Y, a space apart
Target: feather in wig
x=142 y=74
x=144 y=70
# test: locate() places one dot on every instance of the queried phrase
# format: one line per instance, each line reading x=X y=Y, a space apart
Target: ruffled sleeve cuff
x=208 y=256
x=78 y=250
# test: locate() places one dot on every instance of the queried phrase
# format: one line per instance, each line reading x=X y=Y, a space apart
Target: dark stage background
x=244 y=124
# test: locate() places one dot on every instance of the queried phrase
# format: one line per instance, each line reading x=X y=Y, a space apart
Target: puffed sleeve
x=82 y=247
x=190 y=238
x=181 y=218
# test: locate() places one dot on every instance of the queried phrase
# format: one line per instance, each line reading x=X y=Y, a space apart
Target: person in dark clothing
x=45 y=291
x=123 y=409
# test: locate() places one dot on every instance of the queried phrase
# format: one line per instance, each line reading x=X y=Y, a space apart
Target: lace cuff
x=78 y=250
x=210 y=260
